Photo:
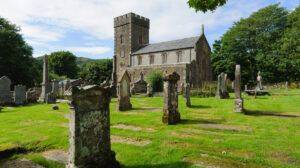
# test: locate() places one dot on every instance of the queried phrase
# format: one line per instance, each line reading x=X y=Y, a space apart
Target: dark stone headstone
x=51 y=98
x=20 y=94
x=170 y=113
x=187 y=95
x=5 y=95
x=89 y=140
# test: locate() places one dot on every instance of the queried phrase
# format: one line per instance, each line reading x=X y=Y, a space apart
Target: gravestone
x=45 y=85
x=51 y=98
x=55 y=86
x=141 y=85
x=187 y=94
x=132 y=89
x=20 y=94
x=124 y=92
x=89 y=128
x=232 y=85
x=5 y=95
x=286 y=85
x=222 y=92
x=33 y=94
x=182 y=88
x=170 y=109
x=149 y=90
x=238 y=101
x=67 y=85
x=259 y=81
x=61 y=90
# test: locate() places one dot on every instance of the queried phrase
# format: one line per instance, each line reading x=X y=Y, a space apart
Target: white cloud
x=88 y=50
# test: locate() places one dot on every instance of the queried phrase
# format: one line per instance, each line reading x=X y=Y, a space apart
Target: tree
x=16 y=59
x=156 y=79
x=97 y=71
x=205 y=5
x=253 y=43
x=63 y=63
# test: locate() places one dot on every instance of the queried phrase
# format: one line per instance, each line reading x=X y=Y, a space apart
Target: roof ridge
x=174 y=40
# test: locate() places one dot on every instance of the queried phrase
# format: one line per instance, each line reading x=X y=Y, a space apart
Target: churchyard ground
x=210 y=134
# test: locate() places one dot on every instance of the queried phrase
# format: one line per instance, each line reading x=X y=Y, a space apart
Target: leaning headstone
x=55 y=86
x=259 y=81
x=20 y=94
x=170 y=113
x=5 y=95
x=187 y=94
x=89 y=139
x=238 y=101
x=149 y=90
x=51 y=98
x=124 y=92
x=45 y=85
x=286 y=85
x=182 y=88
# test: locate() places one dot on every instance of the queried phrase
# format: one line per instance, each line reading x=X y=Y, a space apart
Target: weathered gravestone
x=222 y=92
x=149 y=90
x=55 y=86
x=259 y=81
x=32 y=95
x=51 y=98
x=45 y=85
x=124 y=92
x=286 y=85
x=89 y=139
x=182 y=88
x=238 y=101
x=188 y=95
x=141 y=85
x=20 y=94
x=5 y=95
x=61 y=90
x=170 y=109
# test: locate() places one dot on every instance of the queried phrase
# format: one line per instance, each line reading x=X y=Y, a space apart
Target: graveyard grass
x=274 y=141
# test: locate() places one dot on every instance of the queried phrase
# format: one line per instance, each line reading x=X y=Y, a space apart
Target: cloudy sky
x=85 y=27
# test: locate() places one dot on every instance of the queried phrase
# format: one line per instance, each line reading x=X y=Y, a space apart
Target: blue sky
x=85 y=27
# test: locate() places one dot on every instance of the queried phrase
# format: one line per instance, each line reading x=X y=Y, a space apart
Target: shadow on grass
x=199 y=106
x=147 y=109
x=269 y=113
x=198 y=121
x=175 y=164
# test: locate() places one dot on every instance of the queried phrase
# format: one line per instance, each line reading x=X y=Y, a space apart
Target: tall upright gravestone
x=5 y=95
x=170 y=113
x=124 y=92
x=45 y=84
x=188 y=95
x=20 y=94
x=238 y=101
x=89 y=140
x=222 y=92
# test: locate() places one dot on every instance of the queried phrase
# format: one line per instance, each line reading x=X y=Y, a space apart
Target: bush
x=156 y=79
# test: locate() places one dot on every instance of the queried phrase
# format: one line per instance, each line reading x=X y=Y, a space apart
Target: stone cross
x=5 y=95
x=51 y=98
x=238 y=101
x=124 y=92
x=187 y=94
x=149 y=90
x=89 y=128
x=20 y=94
x=45 y=84
x=259 y=81
x=170 y=113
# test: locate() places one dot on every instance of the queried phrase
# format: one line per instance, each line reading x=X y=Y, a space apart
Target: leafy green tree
x=205 y=5
x=252 y=43
x=63 y=63
x=97 y=71
x=156 y=79
x=16 y=59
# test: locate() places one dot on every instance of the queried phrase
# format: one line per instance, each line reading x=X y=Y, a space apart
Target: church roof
x=168 y=45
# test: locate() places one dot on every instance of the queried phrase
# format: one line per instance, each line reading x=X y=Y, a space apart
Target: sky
x=85 y=27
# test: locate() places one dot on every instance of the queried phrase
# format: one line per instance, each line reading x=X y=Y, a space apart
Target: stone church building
x=189 y=57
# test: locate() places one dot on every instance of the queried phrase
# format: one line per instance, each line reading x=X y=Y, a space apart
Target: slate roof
x=168 y=45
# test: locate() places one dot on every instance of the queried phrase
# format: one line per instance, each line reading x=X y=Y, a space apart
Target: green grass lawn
x=262 y=141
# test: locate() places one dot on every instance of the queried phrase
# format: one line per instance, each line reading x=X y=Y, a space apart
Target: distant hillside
x=81 y=61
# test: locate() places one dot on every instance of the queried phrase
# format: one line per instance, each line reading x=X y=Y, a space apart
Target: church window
x=164 y=58
x=140 y=39
x=140 y=60
x=151 y=58
x=179 y=56
x=121 y=39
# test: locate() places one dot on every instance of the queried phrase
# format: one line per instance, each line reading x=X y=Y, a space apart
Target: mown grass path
x=210 y=134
